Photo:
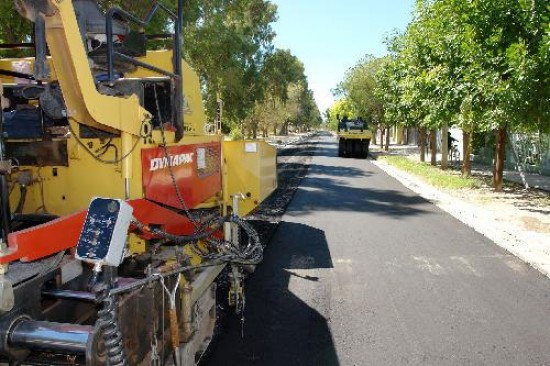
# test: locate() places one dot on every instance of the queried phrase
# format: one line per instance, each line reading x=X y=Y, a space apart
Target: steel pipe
x=69 y=295
x=42 y=335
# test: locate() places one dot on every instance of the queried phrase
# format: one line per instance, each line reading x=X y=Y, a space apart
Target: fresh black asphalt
x=362 y=271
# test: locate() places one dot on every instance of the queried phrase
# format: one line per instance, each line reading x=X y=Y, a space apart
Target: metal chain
x=170 y=170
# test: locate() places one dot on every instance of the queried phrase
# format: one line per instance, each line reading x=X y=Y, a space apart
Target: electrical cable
x=98 y=158
x=178 y=239
x=225 y=251
x=144 y=281
x=252 y=253
x=170 y=170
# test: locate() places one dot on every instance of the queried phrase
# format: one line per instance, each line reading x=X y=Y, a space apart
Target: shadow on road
x=324 y=149
x=280 y=328
x=304 y=148
x=331 y=194
x=329 y=189
x=338 y=171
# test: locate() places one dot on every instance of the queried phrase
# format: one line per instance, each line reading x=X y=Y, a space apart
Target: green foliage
x=343 y=107
x=306 y=113
x=281 y=68
x=275 y=115
x=432 y=175
x=286 y=100
x=478 y=64
x=236 y=134
x=227 y=43
x=13 y=29
x=361 y=89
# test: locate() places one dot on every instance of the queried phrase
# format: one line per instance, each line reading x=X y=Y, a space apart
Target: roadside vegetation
x=482 y=66
x=474 y=188
x=446 y=179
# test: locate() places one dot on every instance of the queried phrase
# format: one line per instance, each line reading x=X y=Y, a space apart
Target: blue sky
x=330 y=36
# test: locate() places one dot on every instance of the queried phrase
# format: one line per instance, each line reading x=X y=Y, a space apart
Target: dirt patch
x=534 y=224
x=528 y=209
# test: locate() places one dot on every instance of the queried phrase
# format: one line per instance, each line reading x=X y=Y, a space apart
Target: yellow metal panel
x=194 y=114
x=367 y=134
x=64 y=190
x=84 y=103
x=250 y=169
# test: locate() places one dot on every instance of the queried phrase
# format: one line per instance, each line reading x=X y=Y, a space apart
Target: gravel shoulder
x=517 y=220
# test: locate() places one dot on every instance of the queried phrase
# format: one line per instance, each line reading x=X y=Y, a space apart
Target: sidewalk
x=534 y=180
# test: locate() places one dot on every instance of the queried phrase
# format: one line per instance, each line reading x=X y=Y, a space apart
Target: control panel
x=103 y=237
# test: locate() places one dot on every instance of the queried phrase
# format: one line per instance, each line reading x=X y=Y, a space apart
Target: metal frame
x=176 y=75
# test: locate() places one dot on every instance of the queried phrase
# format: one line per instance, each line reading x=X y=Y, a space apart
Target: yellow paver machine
x=119 y=204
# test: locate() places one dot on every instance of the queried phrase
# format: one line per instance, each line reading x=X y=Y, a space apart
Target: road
x=361 y=271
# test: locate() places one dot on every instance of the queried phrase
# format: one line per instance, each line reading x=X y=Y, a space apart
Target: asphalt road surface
x=362 y=271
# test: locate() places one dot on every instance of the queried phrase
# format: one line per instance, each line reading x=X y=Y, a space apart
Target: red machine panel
x=196 y=169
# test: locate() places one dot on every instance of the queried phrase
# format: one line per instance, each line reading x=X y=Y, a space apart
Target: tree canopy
x=481 y=65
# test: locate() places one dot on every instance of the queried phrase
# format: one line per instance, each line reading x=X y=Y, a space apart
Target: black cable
x=98 y=158
x=225 y=251
x=155 y=277
x=181 y=200
x=178 y=239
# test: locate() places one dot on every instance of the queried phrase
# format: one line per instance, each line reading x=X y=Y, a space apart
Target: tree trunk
x=400 y=139
x=445 y=146
x=422 y=141
x=498 y=170
x=433 y=147
x=466 y=152
x=387 y=148
x=284 y=129
x=382 y=131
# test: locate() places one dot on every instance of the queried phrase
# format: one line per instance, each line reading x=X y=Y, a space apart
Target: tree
x=482 y=65
x=227 y=43
x=280 y=69
x=361 y=86
x=340 y=109
x=286 y=98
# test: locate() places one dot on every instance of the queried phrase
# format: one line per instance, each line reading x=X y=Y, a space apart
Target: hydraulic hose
x=5 y=212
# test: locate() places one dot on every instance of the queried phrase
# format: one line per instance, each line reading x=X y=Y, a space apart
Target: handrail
x=176 y=75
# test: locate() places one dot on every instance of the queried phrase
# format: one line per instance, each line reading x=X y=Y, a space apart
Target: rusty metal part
x=186 y=318
x=174 y=329
x=5 y=166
